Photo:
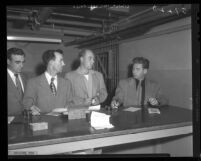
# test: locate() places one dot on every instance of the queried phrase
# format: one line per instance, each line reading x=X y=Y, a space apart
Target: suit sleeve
x=102 y=93
x=120 y=92
x=29 y=95
x=160 y=97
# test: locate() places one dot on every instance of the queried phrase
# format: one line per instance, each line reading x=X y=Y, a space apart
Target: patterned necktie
x=52 y=86
x=18 y=85
x=139 y=92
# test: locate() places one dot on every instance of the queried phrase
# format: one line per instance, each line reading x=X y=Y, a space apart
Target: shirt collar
x=48 y=76
x=12 y=74
x=142 y=82
x=91 y=71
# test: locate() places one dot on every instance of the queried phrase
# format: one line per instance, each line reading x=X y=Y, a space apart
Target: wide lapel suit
x=38 y=93
x=79 y=89
x=126 y=92
x=14 y=101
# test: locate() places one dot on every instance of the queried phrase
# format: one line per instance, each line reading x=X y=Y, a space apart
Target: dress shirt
x=48 y=76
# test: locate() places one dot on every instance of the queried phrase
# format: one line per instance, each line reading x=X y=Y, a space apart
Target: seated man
x=48 y=91
x=138 y=90
x=88 y=87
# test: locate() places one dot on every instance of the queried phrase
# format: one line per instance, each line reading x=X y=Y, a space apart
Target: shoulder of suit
x=125 y=81
x=71 y=74
x=152 y=81
x=63 y=79
x=96 y=72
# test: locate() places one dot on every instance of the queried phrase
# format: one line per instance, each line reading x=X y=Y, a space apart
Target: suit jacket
x=126 y=92
x=79 y=89
x=14 y=102
x=38 y=93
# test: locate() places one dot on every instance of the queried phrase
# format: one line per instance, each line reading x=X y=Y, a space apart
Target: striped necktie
x=53 y=87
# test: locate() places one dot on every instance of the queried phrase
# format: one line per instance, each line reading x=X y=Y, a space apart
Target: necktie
x=18 y=85
x=52 y=86
x=139 y=93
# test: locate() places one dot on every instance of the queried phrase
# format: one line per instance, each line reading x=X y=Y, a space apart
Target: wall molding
x=159 y=33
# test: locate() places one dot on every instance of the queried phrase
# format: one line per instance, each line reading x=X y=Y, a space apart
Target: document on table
x=132 y=109
x=53 y=113
x=100 y=120
x=95 y=108
x=10 y=119
x=153 y=110
x=57 y=111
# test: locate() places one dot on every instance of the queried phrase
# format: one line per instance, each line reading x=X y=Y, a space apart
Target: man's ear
x=145 y=71
x=8 y=61
x=81 y=59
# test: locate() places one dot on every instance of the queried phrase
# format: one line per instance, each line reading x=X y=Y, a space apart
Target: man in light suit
x=15 y=80
x=138 y=90
x=88 y=87
x=48 y=91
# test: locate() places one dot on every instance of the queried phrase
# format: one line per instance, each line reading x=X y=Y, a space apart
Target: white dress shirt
x=48 y=77
x=12 y=75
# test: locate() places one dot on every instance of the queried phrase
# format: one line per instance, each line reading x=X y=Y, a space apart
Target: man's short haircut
x=14 y=51
x=49 y=55
x=141 y=60
x=83 y=52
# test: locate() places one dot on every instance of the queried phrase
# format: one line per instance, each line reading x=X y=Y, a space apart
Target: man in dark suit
x=48 y=91
x=15 y=80
x=138 y=90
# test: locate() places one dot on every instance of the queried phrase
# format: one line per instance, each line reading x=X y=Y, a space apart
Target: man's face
x=139 y=72
x=88 y=60
x=16 y=63
x=58 y=63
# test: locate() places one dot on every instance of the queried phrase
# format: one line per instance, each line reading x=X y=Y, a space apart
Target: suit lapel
x=94 y=84
x=10 y=81
x=59 y=86
x=147 y=87
x=44 y=83
x=132 y=87
x=83 y=85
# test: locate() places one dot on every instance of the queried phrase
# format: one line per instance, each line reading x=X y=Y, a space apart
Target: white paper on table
x=53 y=113
x=60 y=110
x=10 y=119
x=57 y=111
x=132 y=109
x=100 y=120
x=95 y=108
x=153 y=110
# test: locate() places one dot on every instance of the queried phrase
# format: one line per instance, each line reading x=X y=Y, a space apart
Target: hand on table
x=35 y=110
x=153 y=101
x=115 y=104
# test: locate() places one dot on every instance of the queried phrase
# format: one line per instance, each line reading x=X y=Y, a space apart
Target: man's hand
x=87 y=101
x=153 y=101
x=115 y=104
x=95 y=101
x=35 y=110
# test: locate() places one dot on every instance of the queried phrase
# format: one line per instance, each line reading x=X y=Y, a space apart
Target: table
x=65 y=135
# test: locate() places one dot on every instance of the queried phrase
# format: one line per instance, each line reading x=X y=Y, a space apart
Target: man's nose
x=21 y=65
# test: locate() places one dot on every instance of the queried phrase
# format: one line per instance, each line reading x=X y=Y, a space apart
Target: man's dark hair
x=141 y=60
x=49 y=55
x=14 y=51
